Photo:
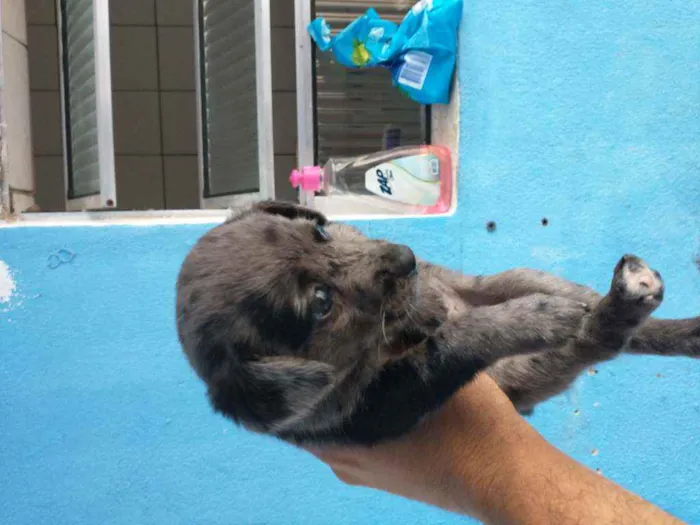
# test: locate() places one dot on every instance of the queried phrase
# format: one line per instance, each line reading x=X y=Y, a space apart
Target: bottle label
x=412 y=180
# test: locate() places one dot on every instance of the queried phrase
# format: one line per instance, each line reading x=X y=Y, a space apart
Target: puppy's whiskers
x=408 y=313
x=414 y=308
x=382 y=314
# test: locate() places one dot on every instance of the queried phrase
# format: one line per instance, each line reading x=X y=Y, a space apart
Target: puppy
x=311 y=332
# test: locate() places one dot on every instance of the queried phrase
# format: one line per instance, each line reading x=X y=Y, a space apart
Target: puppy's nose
x=403 y=260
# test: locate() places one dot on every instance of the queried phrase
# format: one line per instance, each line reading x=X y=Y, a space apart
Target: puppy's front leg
x=667 y=337
x=421 y=380
x=519 y=282
x=514 y=327
x=635 y=292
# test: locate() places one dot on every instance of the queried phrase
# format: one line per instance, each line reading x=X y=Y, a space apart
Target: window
x=358 y=111
x=150 y=110
x=206 y=105
x=86 y=86
x=235 y=101
x=348 y=112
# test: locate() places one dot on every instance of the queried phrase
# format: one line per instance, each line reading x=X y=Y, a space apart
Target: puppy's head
x=277 y=306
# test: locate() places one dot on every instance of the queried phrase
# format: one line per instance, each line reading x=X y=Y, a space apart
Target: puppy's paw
x=638 y=286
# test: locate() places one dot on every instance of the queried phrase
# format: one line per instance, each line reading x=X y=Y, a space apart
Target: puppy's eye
x=321 y=234
x=322 y=303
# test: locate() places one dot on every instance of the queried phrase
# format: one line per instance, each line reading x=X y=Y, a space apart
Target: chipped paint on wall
x=7 y=283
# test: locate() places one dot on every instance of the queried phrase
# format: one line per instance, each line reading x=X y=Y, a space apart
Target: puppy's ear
x=290 y=210
x=274 y=393
x=302 y=384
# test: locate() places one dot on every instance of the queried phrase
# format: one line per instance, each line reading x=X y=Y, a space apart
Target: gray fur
x=635 y=292
x=247 y=316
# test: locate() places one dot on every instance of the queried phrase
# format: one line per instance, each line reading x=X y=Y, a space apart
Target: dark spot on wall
x=545 y=221
x=491 y=226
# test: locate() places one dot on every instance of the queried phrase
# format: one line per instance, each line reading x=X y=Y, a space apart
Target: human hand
x=449 y=460
x=477 y=456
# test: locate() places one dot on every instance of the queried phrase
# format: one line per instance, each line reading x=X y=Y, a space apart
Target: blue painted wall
x=587 y=113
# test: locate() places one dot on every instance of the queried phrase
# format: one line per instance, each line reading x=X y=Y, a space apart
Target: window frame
x=444 y=121
x=106 y=198
x=263 y=76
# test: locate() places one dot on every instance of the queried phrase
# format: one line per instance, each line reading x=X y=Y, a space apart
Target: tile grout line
x=160 y=108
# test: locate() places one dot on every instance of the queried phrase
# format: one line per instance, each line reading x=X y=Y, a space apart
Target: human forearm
x=477 y=456
x=539 y=485
x=505 y=473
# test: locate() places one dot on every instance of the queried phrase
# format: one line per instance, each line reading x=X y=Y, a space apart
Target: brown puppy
x=312 y=332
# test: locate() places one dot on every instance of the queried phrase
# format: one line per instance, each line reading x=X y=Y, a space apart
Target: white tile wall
x=136 y=123
x=284 y=164
x=43 y=64
x=132 y=12
x=51 y=187
x=283 y=60
x=181 y=181
x=46 y=123
x=284 y=110
x=18 y=133
x=134 y=58
x=176 y=58
x=14 y=20
x=41 y=12
x=281 y=13
x=179 y=122
x=284 y=96
x=140 y=182
x=179 y=12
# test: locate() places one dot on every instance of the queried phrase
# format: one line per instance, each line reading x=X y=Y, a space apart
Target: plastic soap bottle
x=403 y=180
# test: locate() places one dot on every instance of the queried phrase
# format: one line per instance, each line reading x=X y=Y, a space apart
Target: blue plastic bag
x=420 y=52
